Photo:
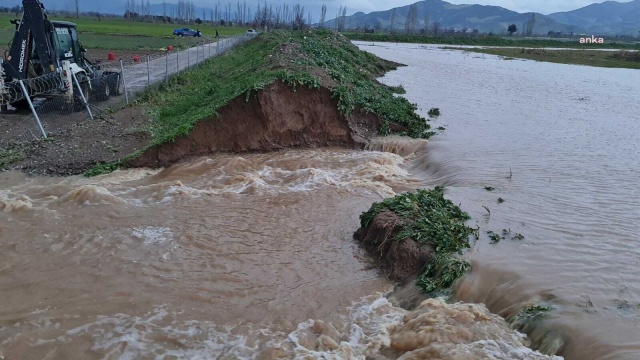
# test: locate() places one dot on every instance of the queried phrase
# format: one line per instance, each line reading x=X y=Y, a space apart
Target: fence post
x=218 y=47
x=84 y=100
x=148 y=72
x=33 y=110
x=3 y=105
x=166 y=71
x=188 y=57
x=178 y=61
x=124 y=82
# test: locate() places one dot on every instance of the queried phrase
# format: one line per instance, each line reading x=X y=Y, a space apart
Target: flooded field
x=560 y=145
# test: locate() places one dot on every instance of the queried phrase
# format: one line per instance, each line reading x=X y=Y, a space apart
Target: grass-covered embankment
x=484 y=40
x=418 y=234
x=608 y=59
x=312 y=59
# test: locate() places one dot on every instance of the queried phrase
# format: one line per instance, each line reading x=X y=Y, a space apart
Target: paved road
x=139 y=76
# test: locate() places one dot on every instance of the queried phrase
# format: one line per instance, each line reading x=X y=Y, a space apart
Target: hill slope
x=609 y=17
x=482 y=17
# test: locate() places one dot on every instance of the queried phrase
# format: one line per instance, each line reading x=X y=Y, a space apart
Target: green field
x=608 y=59
x=121 y=34
x=485 y=40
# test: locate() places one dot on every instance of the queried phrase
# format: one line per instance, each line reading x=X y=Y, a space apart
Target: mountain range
x=607 y=18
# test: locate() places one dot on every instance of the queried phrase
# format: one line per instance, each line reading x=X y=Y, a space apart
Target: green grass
x=131 y=43
x=596 y=58
x=198 y=94
x=430 y=219
x=121 y=34
x=484 y=40
x=8 y=157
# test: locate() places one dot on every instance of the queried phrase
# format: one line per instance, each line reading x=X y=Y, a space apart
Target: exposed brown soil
x=75 y=143
x=400 y=260
x=278 y=117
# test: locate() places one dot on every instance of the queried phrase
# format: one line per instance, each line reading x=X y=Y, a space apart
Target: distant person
x=198 y=33
x=217 y=35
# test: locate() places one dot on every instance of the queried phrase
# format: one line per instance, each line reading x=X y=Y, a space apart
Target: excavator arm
x=33 y=29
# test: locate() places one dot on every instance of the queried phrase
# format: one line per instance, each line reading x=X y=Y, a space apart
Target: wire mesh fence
x=57 y=103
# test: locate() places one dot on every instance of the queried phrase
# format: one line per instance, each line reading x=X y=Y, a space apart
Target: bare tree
x=323 y=15
x=435 y=28
x=426 y=22
x=298 y=17
x=393 y=20
x=411 y=22
x=530 y=25
x=341 y=19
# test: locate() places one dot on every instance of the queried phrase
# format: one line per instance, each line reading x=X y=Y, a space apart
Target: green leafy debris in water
x=430 y=219
x=489 y=188
x=434 y=112
x=500 y=200
x=531 y=313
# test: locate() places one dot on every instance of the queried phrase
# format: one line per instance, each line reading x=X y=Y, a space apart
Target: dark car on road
x=187 y=32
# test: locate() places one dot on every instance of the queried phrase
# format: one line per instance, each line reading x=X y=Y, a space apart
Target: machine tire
x=86 y=90
x=20 y=104
x=116 y=83
x=103 y=89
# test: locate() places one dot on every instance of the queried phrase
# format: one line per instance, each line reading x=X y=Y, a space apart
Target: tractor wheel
x=103 y=90
x=116 y=83
x=86 y=90
x=21 y=104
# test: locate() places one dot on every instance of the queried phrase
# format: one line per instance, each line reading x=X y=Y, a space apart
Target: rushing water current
x=561 y=146
x=227 y=257
x=252 y=257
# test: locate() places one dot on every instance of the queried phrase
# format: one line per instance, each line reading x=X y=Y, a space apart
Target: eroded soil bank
x=276 y=117
x=282 y=89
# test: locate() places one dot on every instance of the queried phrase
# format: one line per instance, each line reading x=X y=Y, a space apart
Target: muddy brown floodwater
x=221 y=257
x=560 y=145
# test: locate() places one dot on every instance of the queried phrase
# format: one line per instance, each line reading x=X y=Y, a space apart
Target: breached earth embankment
x=282 y=89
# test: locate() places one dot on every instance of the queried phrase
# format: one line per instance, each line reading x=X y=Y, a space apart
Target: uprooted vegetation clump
x=418 y=234
x=312 y=59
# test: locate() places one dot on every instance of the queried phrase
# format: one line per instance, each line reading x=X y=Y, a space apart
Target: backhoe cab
x=39 y=48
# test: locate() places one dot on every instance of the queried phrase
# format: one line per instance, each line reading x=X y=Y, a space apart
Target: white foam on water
x=371 y=328
x=153 y=235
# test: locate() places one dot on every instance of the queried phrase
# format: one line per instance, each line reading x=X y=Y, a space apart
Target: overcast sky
x=367 y=6
x=540 y=6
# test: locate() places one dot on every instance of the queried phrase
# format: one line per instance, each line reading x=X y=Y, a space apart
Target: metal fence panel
x=117 y=86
